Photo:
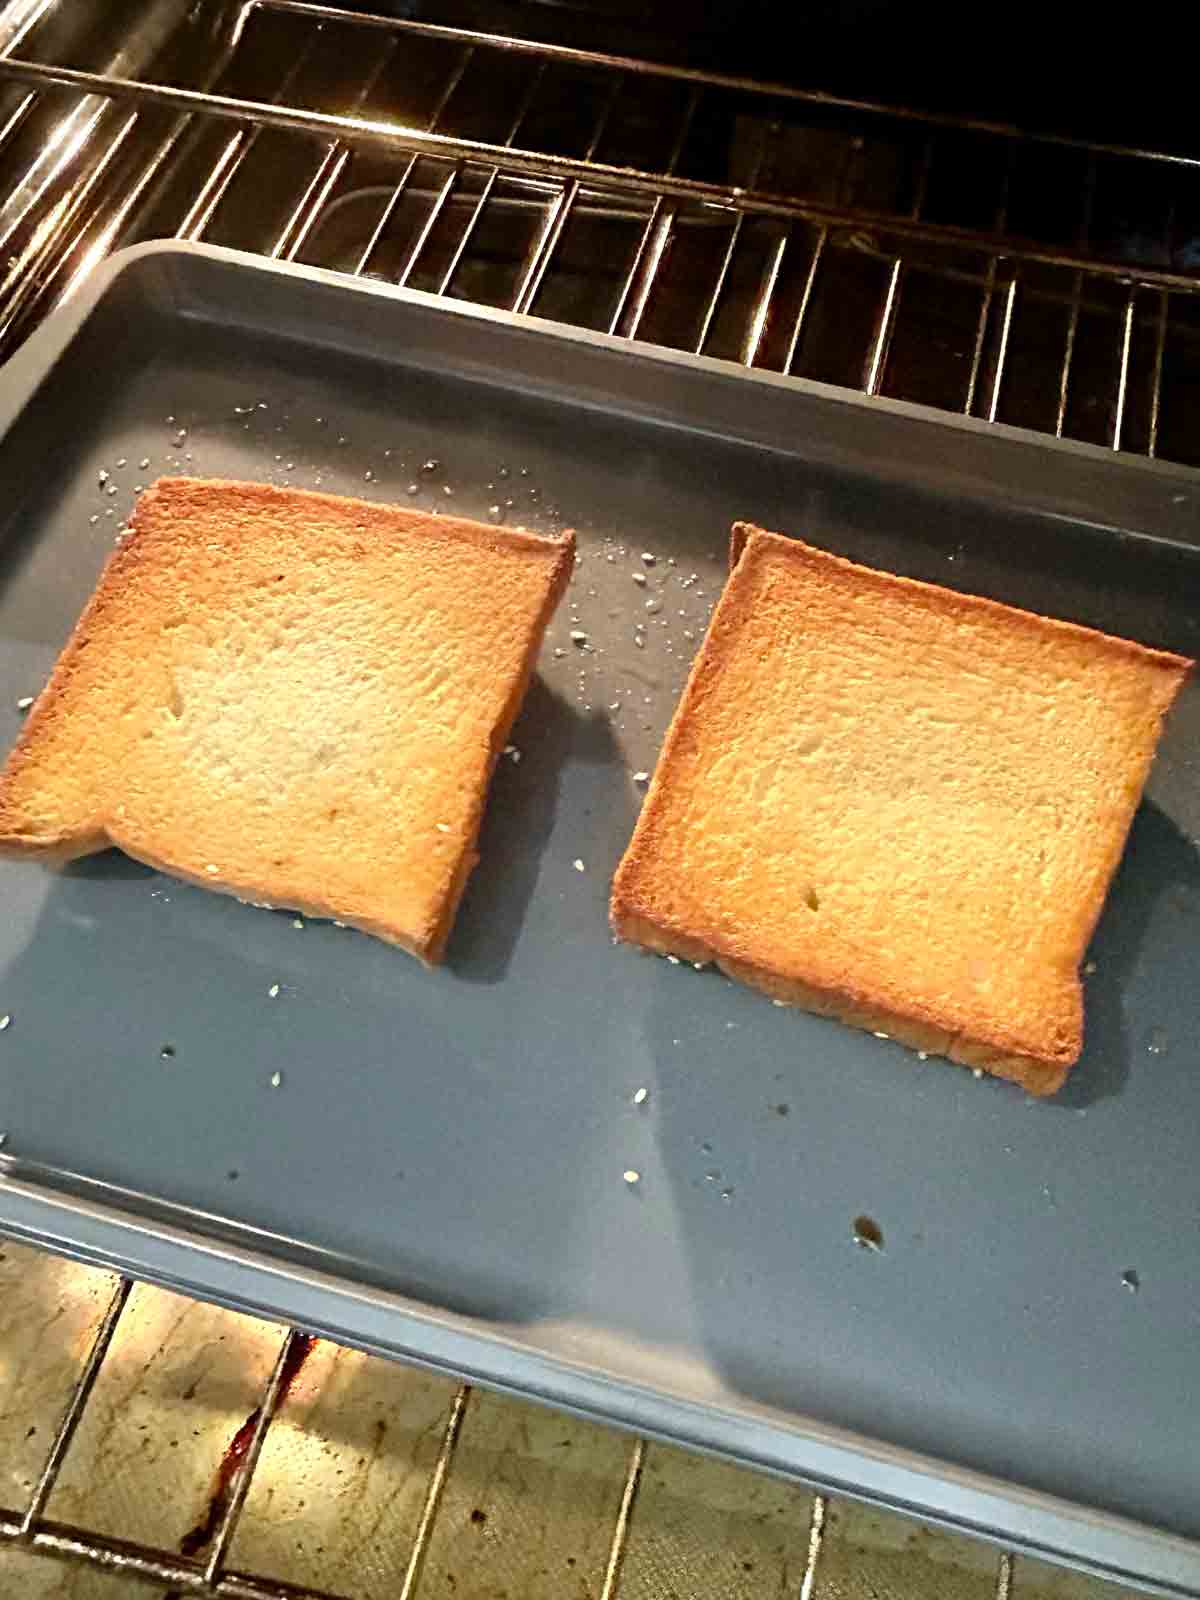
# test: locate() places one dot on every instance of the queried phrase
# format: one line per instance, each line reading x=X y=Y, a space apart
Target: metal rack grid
x=1042 y=281
x=206 y=1570
x=1038 y=280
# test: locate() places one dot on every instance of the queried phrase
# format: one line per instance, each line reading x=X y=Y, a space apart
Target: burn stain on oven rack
x=198 y=1538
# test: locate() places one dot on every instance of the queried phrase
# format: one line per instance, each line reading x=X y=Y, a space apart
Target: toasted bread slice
x=291 y=697
x=896 y=805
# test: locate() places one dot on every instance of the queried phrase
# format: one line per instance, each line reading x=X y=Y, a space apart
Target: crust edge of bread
x=1039 y=1075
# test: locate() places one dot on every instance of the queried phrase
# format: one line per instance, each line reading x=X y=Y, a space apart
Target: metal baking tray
x=439 y=1172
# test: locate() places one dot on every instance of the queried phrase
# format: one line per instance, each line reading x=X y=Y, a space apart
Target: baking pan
x=433 y=1164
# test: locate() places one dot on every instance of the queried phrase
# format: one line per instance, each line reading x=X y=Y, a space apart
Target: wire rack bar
x=714 y=299
x=758 y=320
x=435 y=1491
x=887 y=318
x=620 y=1538
x=816 y=1540
x=80 y=1395
x=657 y=238
x=1126 y=340
x=430 y=223
x=140 y=1561
x=1160 y=342
x=814 y=267
x=1002 y=354
x=717 y=80
x=1064 y=377
x=240 y=1487
x=1004 y=1576
x=398 y=137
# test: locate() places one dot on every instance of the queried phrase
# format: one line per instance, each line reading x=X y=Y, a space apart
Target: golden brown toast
x=896 y=805
x=291 y=697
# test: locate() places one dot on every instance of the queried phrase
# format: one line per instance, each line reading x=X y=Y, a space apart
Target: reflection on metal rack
x=907 y=255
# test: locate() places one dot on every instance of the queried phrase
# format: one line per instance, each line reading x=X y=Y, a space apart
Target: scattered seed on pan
x=24 y=703
x=674 y=960
x=641 y=777
x=513 y=754
x=578 y=636
x=640 y=1096
x=648 y=558
x=297 y=922
x=578 y=865
x=167 y=1053
x=631 y=1177
x=276 y=1079
x=638 y=577
x=5 y=1021
x=273 y=991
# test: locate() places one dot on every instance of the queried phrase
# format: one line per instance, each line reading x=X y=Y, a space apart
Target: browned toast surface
x=292 y=697
x=896 y=805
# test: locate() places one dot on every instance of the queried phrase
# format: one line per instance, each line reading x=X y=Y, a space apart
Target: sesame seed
x=641 y=777
x=674 y=960
x=211 y=870
x=578 y=865
x=24 y=703
x=977 y=1072
x=276 y=1079
x=513 y=754
x=273 y=991
x=442 y=827
x=639 y=577
x=640 y=1096
x=631 y=1177
x=297 y=923
x=922 y=1055
x=879 y=1035
x=578 y=636
x=5 y=1021
x=648 y=558
x=779 y=1002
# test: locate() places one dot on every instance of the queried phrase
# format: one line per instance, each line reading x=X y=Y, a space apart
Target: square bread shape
x=295 y=698
x=896 y=805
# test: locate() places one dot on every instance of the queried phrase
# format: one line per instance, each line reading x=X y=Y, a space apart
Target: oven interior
x=686 y=178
